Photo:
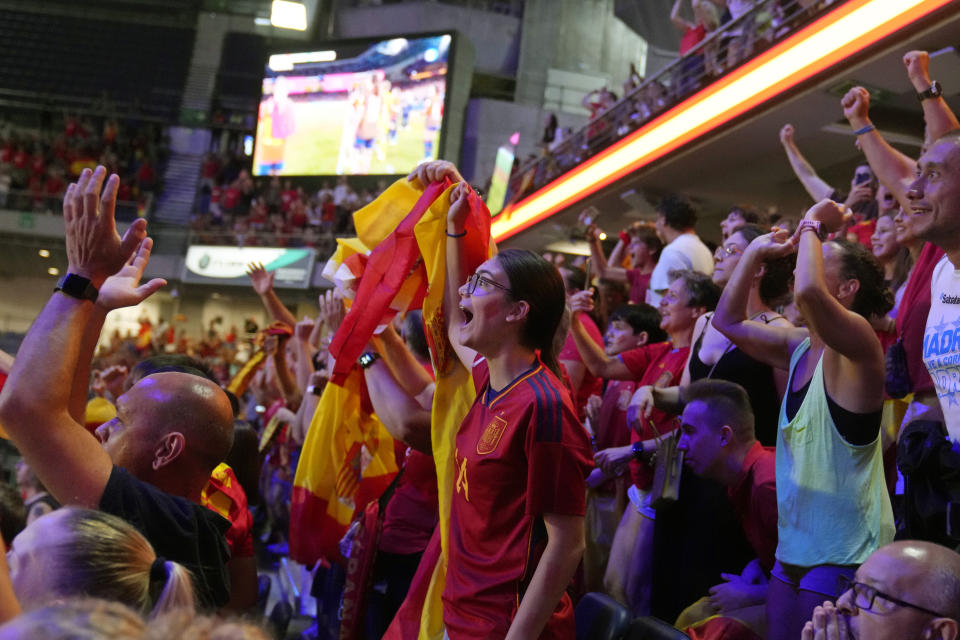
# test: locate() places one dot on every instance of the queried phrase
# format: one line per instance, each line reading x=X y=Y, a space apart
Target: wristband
x=315 y=390
x=457 y=235
x=637 y=448
x=935 y=91
x=863 y=130
x=812 y=225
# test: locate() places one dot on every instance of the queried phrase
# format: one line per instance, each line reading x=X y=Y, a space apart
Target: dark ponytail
x=873 y=298
x=538 y=283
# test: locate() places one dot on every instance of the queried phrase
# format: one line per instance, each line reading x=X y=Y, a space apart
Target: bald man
x=906 y=590
x=171 y=429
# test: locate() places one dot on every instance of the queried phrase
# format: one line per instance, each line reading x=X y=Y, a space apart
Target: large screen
x=377 y=112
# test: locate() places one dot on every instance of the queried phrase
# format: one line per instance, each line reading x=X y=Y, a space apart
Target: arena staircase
x=182 y=175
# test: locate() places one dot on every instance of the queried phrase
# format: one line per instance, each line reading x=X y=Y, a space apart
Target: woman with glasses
x=714 y=356
x=516 y=520
x=834 y=510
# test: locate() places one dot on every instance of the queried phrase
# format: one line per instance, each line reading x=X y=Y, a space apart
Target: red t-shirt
x=639 y=283
x=231 y=198
x=660 y=365
x=590 y=385
x=691 y=38
x=912 y=316
x=215 y=195
x=754 y=499
x=411 y=513
x=520 y=453
x=864 y=232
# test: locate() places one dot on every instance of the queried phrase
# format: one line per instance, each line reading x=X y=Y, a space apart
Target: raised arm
x=594 y=357
x=457 y=271
x=936 y=112
x=404 y=367
x=262 y=281
x=399 y=412
x=600 y=264
x=764 y=342
x=842 y=330
x=679 y=21
x=814 y=184
x=894 y=169
x=35 y=403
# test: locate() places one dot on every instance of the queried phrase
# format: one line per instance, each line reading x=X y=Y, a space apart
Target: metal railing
x=722 y=51
x=324 y=242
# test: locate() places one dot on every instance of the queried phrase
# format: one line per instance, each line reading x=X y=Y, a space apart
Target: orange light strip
x=836 y=36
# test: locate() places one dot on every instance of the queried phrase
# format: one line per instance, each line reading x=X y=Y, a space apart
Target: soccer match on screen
x=377 y=113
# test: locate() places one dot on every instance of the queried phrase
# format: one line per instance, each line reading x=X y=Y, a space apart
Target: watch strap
x=935 y=91
x=77 y=287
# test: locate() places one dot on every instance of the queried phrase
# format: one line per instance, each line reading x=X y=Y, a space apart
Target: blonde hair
x=107 y=558
x=77 y=619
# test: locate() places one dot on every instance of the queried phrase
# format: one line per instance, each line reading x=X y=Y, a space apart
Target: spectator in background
x=895 y=260
x=643 y=247
x=549 y=130
x=684 y=249
x=736 y=218
x=697 y=62
x=829 y=423
x=861 y=199
x=36 y=500
x=583 y=383
x=12 y=514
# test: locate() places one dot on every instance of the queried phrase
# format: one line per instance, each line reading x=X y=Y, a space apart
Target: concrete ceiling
x=745 y=163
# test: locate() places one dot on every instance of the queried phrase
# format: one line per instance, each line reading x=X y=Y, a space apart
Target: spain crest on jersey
x=491 y=436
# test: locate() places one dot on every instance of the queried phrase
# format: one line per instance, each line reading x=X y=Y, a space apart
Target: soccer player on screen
x=277 y=123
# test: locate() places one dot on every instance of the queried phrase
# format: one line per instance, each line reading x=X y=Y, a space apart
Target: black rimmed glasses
x=477 y=279
x=864 y=596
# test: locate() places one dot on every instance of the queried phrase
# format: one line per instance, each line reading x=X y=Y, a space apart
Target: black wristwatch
x=637 y=450
x=367 y=359
x=78 y=287
x=935 y=91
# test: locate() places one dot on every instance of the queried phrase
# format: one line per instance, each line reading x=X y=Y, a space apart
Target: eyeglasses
x=864 y=596
x=477 y=279
x=728 y=250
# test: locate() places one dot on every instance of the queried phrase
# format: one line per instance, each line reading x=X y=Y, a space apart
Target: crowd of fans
x=726 y=439
x=36 y=164
x=715 y=37
x=236 y=208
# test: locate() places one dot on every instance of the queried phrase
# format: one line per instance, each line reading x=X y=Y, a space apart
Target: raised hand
x=459 y=205
x=261 y=278
x=856 y=107
x=123 y=289
x=786 y=134
x=773 y=244
x=429 y=172
x=331 y=309
x=581 y=302
x=918 y=69
x=830 y=214
x=94 y=248
x=304 y=328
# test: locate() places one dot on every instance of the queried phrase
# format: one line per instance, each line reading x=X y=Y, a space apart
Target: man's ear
x=520 y=310
x=942 y=629
x=169 y=449
x=726 y=435
x=642 y=338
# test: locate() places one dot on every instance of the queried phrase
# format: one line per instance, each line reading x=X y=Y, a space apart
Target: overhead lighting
x=285 y=61
x=43 y=253
x=288 y=15
x=603 y=236
x=851 y=27
x=261 y=21
x=53 y=271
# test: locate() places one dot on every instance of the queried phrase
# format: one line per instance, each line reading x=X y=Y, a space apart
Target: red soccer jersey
x=639 y=283
x=590 y=385
x=754 y=499
x=521 y=453
x=660 y=365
